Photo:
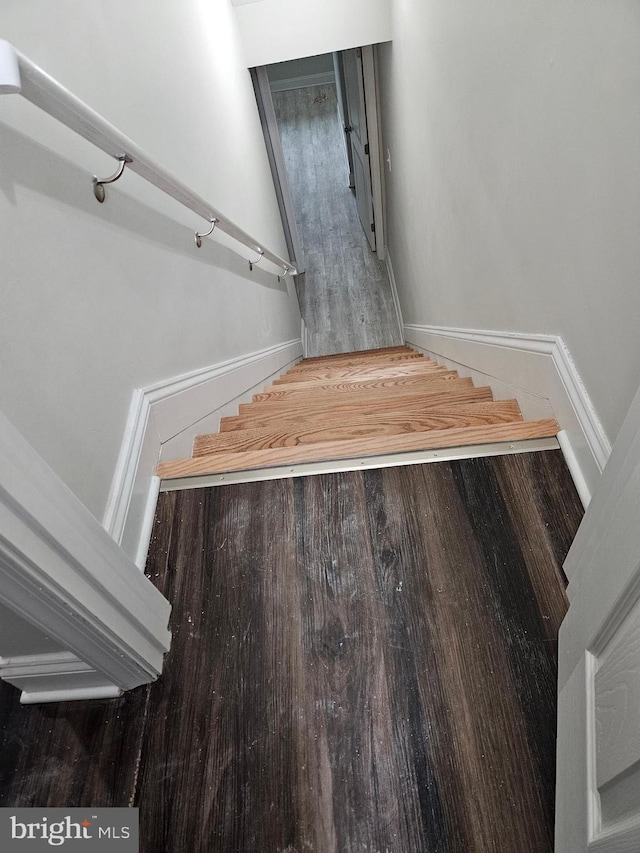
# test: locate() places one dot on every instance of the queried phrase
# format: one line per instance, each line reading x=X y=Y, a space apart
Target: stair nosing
x=546 y=427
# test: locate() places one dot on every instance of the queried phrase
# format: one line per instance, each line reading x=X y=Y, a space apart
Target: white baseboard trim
x=394 y=292
x=55 y=677
x=163 y=418
x=322 y=78
x=538 y=371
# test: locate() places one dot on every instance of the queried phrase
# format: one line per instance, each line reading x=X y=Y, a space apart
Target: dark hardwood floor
x=361 y=661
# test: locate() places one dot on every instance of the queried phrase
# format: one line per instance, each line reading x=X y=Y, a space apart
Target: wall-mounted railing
x=19 y=75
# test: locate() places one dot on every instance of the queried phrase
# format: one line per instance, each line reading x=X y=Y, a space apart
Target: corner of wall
x=163 y=420
x=539 y=372
x=394 y=291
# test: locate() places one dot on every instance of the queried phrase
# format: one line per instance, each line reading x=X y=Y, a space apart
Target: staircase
x=357 y=404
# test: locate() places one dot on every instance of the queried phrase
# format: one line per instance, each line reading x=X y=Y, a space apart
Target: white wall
x=514 y=197
x=100 y=300
x=277 y=30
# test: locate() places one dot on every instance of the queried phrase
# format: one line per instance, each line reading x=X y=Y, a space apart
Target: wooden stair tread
x=341 y=386
x=355 y=361
x=399 y=368
x=274 y=412
x=361 y=353
x=290 y=434
x=435 y=439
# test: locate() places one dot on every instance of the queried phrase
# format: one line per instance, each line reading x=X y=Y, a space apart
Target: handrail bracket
x=98 y=183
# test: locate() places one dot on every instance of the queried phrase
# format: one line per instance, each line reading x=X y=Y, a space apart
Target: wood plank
x=230 y=461
x=397 y=384
x=70 y=753
x=292 y=433
x=372 y=652
x=359 y=354
x=354 y=359
x=272 y=413
x=400 y=368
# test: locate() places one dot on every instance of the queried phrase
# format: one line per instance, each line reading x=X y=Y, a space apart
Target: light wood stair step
x=355 y=358
x=364 y=354
x=338 y=387
x=348 y=361
x=388 y=361
x=271 y=413
x=399 y=423
x=434 y=439
x=399 y=368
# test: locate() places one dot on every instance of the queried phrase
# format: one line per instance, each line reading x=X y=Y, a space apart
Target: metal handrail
x=19 y=75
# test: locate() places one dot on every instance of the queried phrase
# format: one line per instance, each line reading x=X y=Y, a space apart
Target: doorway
x=318 y=130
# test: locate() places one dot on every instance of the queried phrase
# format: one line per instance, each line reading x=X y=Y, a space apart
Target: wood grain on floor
x=361 y=661
x=345 y=295
x=291 y=433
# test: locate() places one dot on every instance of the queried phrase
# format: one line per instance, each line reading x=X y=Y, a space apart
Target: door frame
x=341 y=94
x=372 y=105
x=267 y=113
x=604 y=595
x=275 y=154
x=374 y=136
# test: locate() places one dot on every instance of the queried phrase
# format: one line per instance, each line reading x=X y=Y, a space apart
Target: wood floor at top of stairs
x=434 y=439
x=290 y=434
x=402 y=368
x=273 y=412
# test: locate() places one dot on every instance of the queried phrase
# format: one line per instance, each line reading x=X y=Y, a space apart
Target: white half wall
x=279 y=30
x=163 y=420
x=513 y=197
x=536 y=370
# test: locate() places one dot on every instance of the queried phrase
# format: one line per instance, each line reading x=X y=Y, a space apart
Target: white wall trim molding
x=374 y=135
x=533 y=366
x=394 y=292
x=55 y=677
x=63 y=574
x=163 y=419
x=322 y=78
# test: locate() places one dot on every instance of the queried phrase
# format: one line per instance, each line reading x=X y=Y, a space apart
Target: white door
x=359 y=140
x=598 y=783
